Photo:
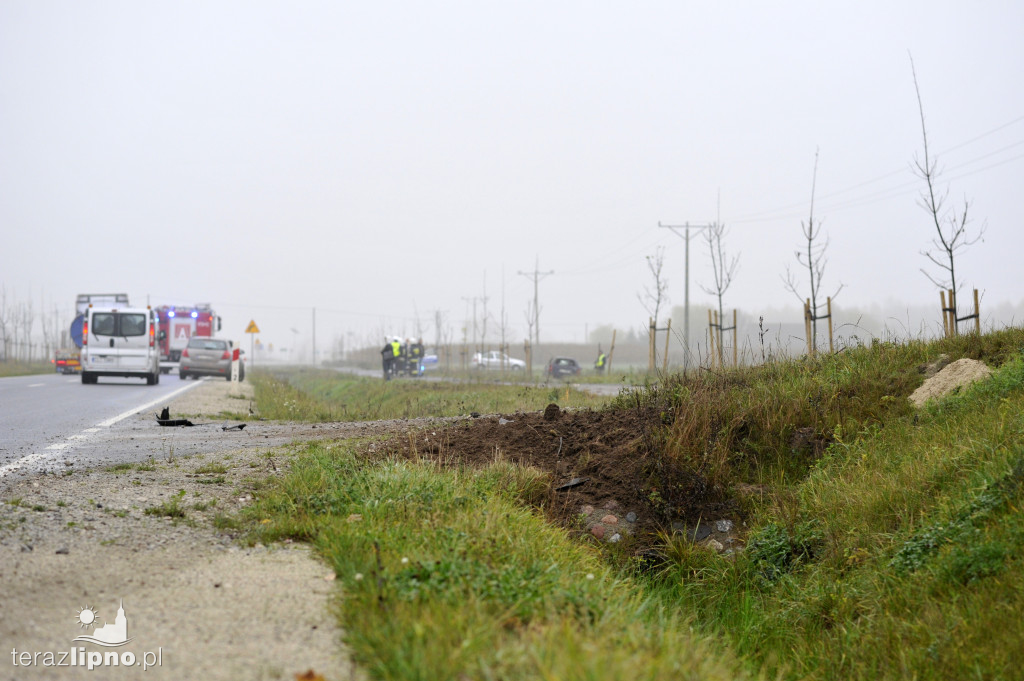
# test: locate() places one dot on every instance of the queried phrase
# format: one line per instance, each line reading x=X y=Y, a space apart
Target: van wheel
x=88 y=378
x=151 y=379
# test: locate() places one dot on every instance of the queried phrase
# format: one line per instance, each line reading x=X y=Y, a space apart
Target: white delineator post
x=234 y=390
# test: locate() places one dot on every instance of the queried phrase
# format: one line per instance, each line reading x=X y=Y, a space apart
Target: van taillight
x=152 y=334
x=85 y=332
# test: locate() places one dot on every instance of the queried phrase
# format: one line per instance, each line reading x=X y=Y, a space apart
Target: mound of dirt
x=601 y=463
x=950 y=379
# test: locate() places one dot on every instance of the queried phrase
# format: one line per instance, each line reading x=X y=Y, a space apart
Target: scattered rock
x=723 y=525
x=63 y=551
x=715 y=545
x=586 y=509
x=597 y=531
x=694 y=534
x=631 y=517
x=615 y=538
x=610 y=520
x=935 y=367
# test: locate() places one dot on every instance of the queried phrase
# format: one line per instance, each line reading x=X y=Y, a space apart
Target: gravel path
x=197 y=605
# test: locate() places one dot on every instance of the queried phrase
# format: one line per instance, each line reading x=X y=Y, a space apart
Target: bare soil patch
x=600 y=463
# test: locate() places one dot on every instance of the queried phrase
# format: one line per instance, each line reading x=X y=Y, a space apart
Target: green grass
x=452 y=574
x=898 y=555
x=171 y=508
x=15 y=368
x=319 y=395
x=883 y=542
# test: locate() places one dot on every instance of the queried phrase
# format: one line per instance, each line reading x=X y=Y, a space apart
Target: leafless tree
x=24 y=320
x=813 y=260
x=653 y=298
x=439 y=323
x=6 y=319
x=951 y=226
x=531 y=316
x=723 y=267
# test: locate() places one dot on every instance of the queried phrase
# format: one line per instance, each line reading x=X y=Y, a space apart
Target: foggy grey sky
x=379 y=160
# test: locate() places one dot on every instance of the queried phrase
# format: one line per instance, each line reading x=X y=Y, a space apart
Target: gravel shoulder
x=83 y=539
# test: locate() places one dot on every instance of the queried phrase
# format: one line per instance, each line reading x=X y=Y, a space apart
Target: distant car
x=495 y=359
x=208 y=357
x=429 y=362
x=563 y=366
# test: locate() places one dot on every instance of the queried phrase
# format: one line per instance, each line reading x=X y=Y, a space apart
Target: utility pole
x=314 y=336
x=686 y=227
x=536 y=275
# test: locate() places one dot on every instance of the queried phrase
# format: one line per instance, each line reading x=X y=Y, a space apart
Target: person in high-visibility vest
x=599 y=364
x=398 y=355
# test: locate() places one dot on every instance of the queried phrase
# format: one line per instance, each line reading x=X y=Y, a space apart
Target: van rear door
x=120 y=341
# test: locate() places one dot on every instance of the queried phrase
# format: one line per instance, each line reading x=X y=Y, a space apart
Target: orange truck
x=67 y=361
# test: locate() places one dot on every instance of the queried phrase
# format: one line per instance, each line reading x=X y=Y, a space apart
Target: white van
x=120 y=342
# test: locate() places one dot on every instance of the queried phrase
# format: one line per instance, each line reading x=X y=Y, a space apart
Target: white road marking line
x=32 y=458
x=136 y=410
x=35 y=385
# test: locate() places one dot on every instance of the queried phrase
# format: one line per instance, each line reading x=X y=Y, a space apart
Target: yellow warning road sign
x=252 y=328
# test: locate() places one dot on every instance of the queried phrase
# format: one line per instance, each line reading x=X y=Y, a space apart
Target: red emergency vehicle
x=181 y=322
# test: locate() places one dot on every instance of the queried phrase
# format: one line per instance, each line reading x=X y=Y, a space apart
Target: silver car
x=208 y=357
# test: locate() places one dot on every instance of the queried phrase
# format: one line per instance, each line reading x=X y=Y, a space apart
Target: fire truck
x=181 y=322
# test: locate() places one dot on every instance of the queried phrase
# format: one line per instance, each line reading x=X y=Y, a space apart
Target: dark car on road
x=563 y=366
x=208 y=357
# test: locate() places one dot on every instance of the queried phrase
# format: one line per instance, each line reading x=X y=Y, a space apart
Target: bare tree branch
x=951 y=227
x=652 y=299
x=813 y=260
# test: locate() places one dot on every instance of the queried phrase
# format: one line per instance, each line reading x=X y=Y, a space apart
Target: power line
x=686 y=300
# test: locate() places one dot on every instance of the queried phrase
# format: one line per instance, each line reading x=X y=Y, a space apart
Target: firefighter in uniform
x=386 y=357
x=415 y=357
x=601 y=361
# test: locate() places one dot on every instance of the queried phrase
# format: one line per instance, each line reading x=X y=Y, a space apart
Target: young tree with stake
x=951 y=226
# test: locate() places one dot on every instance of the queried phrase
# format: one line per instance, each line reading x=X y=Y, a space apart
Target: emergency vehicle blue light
x=194 y=314
x=171 y=313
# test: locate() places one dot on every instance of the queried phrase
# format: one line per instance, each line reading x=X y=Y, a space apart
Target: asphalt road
x=45 y=418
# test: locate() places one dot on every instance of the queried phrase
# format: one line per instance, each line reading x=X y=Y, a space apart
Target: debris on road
x=164 y=419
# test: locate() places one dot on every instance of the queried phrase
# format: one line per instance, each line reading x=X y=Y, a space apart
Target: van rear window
x=118 y=324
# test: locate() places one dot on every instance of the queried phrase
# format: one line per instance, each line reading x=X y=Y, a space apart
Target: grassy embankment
x=324 y=395
x=13 y=368
x=892 y=548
